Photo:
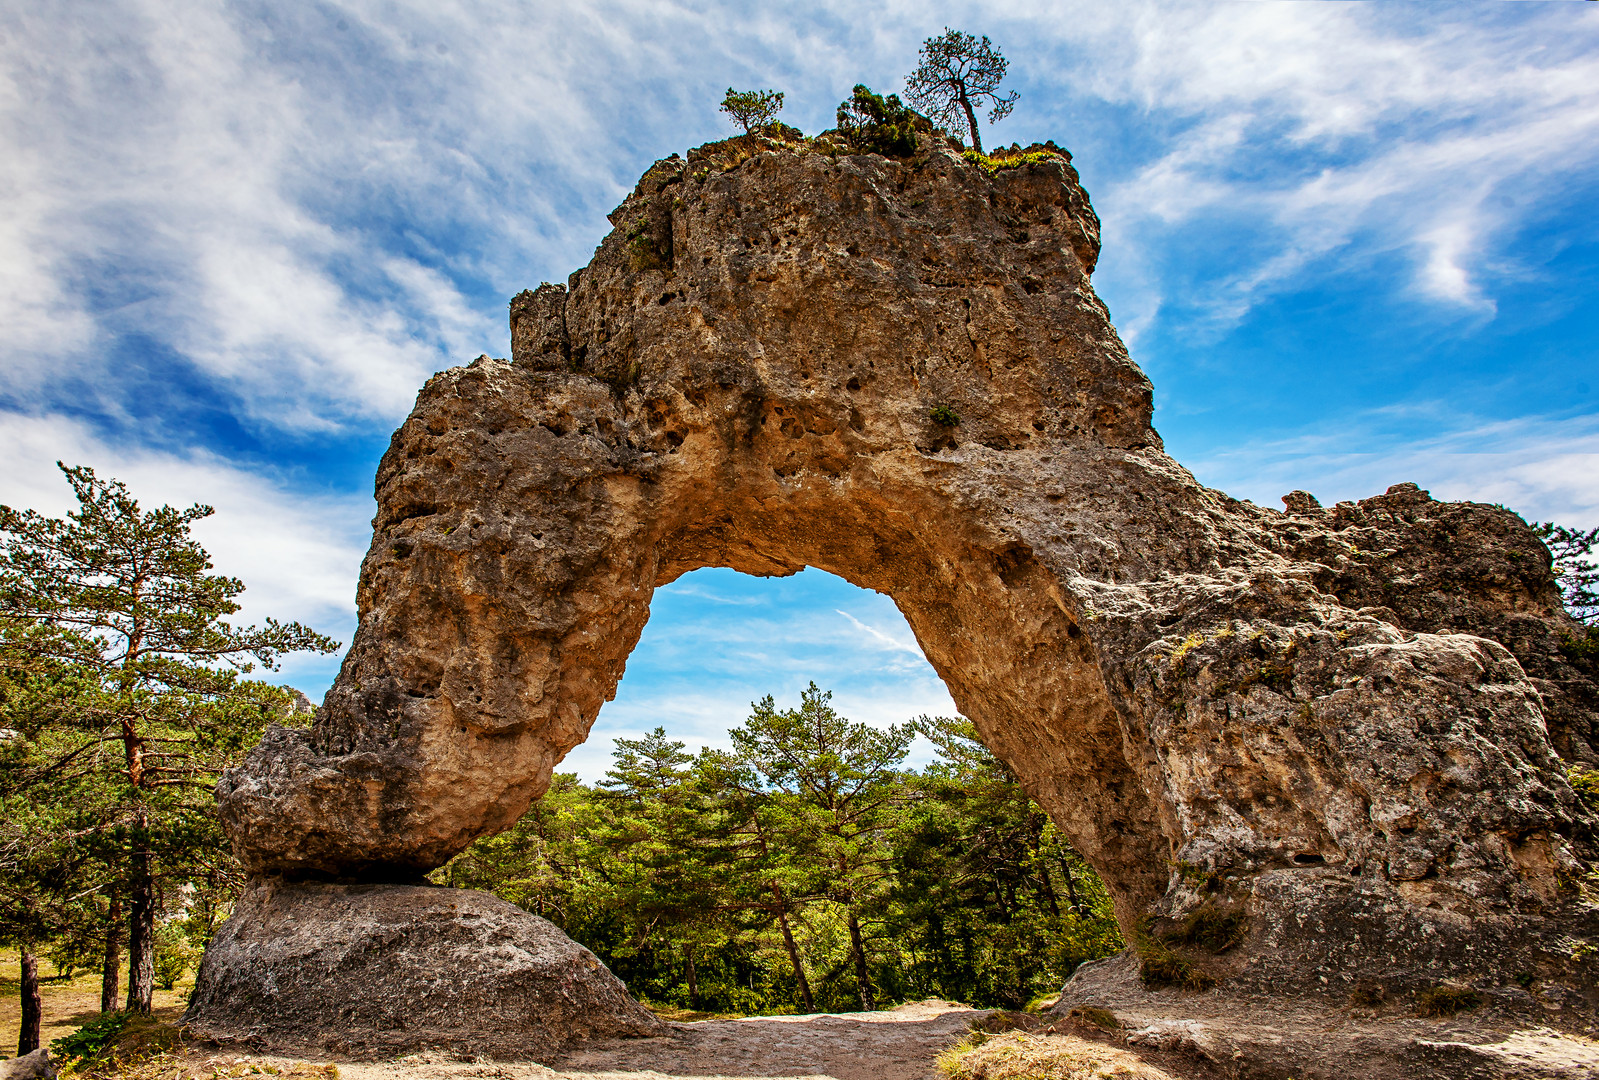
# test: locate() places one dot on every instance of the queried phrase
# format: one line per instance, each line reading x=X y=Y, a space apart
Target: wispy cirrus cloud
x=310 y=209
x=1330 y=132
x=1546 y=468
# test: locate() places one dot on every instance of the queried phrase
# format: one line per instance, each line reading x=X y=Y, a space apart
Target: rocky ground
x=894 y=1044
x=1166 y=1036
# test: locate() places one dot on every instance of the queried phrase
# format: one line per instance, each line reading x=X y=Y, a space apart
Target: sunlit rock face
x=1336 y=723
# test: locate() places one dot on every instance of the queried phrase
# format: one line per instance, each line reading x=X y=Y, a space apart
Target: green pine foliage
x=873 y=124
x=752 y=110
x=806 y=870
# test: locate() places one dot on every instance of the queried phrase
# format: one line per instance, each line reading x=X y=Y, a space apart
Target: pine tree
x=829 y=788
x=957 y=73
x=118 y=604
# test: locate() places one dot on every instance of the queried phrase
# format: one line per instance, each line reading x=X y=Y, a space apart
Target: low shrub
x=945 y=416
x=1446 y=1000
x=993 y=163
x=1211 y=929
x=1015 y=1056
x=174 y=956
x=1159 y=966
x=92 y=1038
x=1100 y=1018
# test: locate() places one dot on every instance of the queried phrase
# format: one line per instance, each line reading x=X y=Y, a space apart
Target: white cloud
x=1546 y=469
x=877 y=639
x=298 y=553
x=1341 y=132
x=316 y=207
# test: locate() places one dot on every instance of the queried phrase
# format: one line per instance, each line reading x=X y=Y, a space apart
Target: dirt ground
x=68 y=1003
x=894 y=1044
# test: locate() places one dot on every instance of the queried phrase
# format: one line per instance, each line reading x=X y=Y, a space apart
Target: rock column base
x=369 y=971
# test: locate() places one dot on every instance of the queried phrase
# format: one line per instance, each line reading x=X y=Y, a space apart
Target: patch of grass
x=1189 y=644
x=1004 y=1020
x=1210 y=928
x=1585 y=782
x=945 y=416
x=1159 y=966
x=1446 y=1000
x=1100 y=1018
x=125 y=1045
x=1017 y=1056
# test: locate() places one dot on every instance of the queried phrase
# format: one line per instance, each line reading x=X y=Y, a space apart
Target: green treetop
x=752 y=109
x=829 y=787
x=957 y=74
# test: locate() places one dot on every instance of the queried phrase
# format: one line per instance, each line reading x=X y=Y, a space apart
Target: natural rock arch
x=1337 y=722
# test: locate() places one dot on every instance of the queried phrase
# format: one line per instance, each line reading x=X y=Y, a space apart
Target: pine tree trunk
x=141 y=932
x=971 y=120
x=1048 y=889
x=693 y=984
x=32 y=1004
x=863 y=981
x=111 y=969
x=793 y=955
x=1071 y=887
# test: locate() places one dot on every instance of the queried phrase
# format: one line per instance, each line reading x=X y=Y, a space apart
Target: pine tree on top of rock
x=957 y=74
x=753 y=109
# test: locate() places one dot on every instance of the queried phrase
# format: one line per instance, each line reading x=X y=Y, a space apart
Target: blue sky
x=1351 y=244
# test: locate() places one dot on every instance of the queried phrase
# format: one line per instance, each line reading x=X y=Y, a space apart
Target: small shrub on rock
x=1211 y=929
x=873 y=124
x=945 y=416
x=752 y=109
x=1446 y=1000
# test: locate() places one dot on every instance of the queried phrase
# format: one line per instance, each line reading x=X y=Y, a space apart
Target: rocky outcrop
x=1310 y=725
x=31 y=1066
x=376 y=970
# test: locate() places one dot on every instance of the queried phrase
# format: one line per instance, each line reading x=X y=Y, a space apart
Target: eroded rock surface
x=1381 y=1038
x=370 y=971
x=1324 y=722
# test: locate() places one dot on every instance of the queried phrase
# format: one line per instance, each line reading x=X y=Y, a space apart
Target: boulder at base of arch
x=367 y=971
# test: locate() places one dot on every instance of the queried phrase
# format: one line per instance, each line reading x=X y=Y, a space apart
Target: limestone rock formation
x=378 y=970
x=1332 y=725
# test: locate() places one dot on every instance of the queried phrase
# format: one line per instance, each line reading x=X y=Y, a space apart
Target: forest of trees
x=805 y=870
